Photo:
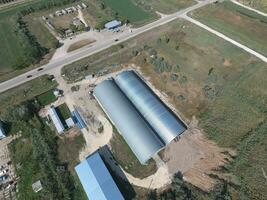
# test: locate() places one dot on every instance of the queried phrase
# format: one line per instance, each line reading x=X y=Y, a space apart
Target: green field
x=164 y=6
x=238 y=23
x=63 y=111
x=26 y=92
x=44 y=37
x=207 y=77
x=46 y=98
x=128 y=9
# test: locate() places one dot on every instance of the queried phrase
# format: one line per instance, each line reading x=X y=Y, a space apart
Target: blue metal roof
x=160 y=118
x=78 y=119
x=96 y=179
x=140 y=137
x=113 y=24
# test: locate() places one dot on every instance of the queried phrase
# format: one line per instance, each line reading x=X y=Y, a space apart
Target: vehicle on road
x=40 y=69
x=116 y=40
x=29 y=76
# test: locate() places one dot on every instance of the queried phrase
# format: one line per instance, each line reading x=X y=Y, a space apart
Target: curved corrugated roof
x=148 y=104
x=137 y=133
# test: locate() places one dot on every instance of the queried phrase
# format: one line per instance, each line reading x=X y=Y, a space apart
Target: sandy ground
x=158 y=180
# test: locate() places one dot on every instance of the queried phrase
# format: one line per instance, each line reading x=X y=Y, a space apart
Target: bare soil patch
x=80 y=44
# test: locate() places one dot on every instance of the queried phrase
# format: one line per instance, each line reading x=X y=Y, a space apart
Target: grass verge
x=238 y=23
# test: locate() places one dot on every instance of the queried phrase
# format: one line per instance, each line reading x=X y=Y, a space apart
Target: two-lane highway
x=97 y=47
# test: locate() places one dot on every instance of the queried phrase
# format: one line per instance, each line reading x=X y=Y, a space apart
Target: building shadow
x=119 y=177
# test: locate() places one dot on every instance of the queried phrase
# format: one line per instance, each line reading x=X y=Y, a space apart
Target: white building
x=2 y=132
x=56 y=120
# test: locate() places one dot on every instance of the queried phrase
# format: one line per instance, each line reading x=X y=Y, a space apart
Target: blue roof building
x=113 y=24
x=78 y=119
x=96 y=179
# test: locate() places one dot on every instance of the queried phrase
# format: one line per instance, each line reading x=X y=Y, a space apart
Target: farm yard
x=237 y=23
x=206 y=77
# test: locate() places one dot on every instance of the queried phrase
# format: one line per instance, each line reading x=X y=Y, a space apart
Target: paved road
x=98 y=46
x=249 y=8
x=258 y=55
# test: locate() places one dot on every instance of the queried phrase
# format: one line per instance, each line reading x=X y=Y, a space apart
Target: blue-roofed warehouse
x=96 y=180
x=113 y=24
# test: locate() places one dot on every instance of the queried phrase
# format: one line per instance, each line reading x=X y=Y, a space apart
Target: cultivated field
x=206 y=77
x=236 y=22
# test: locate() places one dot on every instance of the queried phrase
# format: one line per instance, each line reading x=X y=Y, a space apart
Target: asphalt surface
x=97 y=47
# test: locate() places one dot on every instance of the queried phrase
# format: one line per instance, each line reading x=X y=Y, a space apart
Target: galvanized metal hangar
x=145 y=123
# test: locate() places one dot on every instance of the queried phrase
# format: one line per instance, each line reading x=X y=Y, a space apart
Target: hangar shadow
x=119 y=177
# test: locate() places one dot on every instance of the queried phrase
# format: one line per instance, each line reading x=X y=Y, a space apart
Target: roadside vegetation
x=28 y=91
x=258 y=4
x=206 y=77
x=238 y=23
x=20 y=47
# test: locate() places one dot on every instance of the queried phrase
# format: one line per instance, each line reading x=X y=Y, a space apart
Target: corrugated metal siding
x=138 y=134
x=57 y=122
x=149 y=105
x=78 y=119
x=96 y=179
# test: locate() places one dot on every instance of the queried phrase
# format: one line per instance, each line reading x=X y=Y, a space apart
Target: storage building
x=96 y=180
x=145 y=123
x=56 y=120
x=113 y=24
x=2 y=131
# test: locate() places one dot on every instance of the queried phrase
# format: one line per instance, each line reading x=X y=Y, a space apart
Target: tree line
x=43 y=147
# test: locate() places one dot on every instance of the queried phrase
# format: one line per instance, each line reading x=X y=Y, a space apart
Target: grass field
x=44 y=37
x=26 y=91
x=238 y=23
x=206 y=77
x=63 y=111
x=11 y=46
x=46 y=98
x=165 y=6
x=258 y=4
x=127 y=8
